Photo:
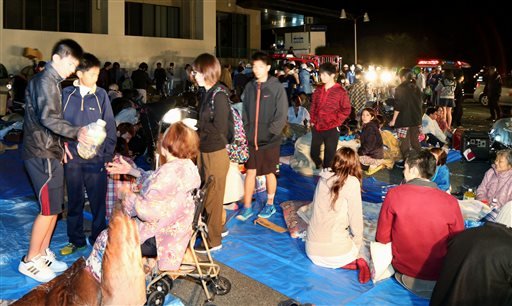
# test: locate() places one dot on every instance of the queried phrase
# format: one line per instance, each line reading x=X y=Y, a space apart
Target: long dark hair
x=345 y=163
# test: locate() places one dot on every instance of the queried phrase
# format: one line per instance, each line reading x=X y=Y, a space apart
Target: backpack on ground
x=238 y=150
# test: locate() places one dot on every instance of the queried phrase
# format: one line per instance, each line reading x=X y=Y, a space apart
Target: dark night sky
x=479 y=32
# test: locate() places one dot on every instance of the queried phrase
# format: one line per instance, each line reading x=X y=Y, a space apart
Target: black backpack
x=231 y=121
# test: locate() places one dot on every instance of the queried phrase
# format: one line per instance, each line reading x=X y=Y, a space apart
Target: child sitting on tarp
x=442 y=175
x=298 y=118
x=371 y=151
x=335 y=232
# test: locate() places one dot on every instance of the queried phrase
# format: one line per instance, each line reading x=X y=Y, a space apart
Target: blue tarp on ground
x=18 y=208
x=280 y=262
x=13 y=180
x=274 y=259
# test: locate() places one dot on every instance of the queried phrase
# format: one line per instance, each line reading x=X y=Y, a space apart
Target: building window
x=232 y=35
x=142 y=19
x=56 y=15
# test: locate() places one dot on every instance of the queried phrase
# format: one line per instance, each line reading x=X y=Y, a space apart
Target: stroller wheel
x=156 y=298
x=164 y=285
x=220 y=285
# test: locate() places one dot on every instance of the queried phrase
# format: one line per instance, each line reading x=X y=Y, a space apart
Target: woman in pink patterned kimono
x=164 y=207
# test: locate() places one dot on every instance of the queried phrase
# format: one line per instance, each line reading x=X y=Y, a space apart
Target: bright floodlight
x=386 y=77
x=370 y=76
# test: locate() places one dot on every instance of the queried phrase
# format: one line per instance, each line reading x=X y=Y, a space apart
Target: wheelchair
x=206 y=272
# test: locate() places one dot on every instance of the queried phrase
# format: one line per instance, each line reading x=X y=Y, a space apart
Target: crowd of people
x=420 y=218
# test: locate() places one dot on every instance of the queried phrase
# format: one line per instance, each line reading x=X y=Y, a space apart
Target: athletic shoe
x=202 y=249
x=245 y=214
x=267 y=211
x=70 y=249
x=51 y=261
x=225 y=231
x=36 y=269
x=231 y=206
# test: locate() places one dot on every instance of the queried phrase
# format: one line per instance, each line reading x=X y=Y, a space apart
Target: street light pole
x=354 y=18
x=355 y=41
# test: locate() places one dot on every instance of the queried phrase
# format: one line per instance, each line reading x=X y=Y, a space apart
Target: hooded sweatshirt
x=265 y=111
x=496 y=185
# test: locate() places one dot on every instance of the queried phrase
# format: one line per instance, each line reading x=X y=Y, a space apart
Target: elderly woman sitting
x=164 y=207
x=497 y=183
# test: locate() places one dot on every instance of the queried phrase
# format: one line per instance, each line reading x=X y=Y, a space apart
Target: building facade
x=129 y=31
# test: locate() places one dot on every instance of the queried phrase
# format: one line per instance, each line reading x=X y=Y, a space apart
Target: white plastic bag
x=234 y=184
x=380 y=266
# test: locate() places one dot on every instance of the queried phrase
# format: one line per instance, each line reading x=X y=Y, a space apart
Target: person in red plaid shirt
x=330 y=107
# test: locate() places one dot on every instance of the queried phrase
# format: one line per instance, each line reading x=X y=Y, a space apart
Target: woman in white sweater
x=335 y=232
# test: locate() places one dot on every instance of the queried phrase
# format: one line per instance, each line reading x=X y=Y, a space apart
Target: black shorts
x=265 y=161
x=47 y=177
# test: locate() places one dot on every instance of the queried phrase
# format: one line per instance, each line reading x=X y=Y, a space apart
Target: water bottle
x=97 y=133
x=469 y=195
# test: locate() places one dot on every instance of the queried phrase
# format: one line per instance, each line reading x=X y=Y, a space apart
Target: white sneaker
x=36 y=269
x=51 y=261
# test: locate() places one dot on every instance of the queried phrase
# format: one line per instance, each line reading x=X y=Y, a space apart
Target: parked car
x=506 y=92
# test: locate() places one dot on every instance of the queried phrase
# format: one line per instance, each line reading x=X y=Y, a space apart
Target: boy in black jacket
x=265 y=111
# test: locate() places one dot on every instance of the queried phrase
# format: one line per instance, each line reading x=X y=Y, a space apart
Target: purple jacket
x=496 y=186
x=165 y=209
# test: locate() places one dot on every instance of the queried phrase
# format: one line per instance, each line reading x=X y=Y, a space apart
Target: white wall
x=317 y=39
x=129 y=51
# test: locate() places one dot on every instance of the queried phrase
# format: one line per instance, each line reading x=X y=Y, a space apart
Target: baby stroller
x=204 y=271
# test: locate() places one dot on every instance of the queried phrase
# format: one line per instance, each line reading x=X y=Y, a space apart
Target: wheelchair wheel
x=164 y=285
x=220 y=285
x=156 y=298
